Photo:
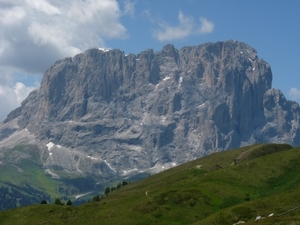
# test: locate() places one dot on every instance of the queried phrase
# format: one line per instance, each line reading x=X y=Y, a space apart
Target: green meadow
x=221 y=188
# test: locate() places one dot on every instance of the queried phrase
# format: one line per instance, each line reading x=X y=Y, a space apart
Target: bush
x=69 y=203
x=243 y=212
x=96 y=198
x=223 y=219
x=58 y=202
x=247 y=198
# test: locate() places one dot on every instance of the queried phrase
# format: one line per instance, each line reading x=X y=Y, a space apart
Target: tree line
x=118 y=186
x=96 y=198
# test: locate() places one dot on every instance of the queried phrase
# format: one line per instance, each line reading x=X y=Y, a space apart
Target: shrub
x=69 y=203
x=58 y=202
x=96 y=198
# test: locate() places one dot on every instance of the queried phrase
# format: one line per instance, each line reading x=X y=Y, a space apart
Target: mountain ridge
x=107 y=113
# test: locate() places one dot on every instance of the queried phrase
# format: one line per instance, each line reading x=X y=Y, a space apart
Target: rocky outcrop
x=129 y=113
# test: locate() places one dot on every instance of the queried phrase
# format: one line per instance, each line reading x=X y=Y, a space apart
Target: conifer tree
x=107 y=190
x=58 y=201
x=69 y=203
x=96 y=198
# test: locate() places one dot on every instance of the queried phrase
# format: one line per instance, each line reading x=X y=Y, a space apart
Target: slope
x=24 y=180
x=209 y=190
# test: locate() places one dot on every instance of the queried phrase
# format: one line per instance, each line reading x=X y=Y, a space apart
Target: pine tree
x=43 y=202
x=58 y=201
x=69 y=203
x=107 y=190
x=96 y=198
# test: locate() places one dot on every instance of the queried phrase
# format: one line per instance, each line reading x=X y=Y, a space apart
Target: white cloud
x=167 y=32
x=48 y=35
x=4 y=45
x=186 y=27
x=48 y=30
x=10 y=2
x=99 y=17
x=129 y=7
x=294 y=94
x=12 y=96
x=206 y=26
x=43 y=6
x=12 y=16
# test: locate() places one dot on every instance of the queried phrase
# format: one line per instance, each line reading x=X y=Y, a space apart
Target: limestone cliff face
x=134 y=112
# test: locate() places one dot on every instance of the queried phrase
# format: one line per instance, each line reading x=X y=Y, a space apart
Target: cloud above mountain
x=54 y=29
x=186 y=27
x=294 y=94
x=11 y=97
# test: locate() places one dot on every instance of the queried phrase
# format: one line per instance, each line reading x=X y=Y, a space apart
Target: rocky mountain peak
x=136 y=112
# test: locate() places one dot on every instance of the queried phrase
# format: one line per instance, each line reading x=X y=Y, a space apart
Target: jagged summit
x=135 y=112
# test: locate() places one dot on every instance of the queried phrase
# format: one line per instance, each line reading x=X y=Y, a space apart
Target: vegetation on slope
x=222 y=188
x=23 y=180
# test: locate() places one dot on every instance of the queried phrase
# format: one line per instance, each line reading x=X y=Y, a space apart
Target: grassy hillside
x=23 y=180
x=222 y=188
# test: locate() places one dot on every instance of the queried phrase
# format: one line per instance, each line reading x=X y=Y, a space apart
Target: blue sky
x=36 y=33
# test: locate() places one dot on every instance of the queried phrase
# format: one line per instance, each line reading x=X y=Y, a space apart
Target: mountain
x=103 y=114
x=263 y=182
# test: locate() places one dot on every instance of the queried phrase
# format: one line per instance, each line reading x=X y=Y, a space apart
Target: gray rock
x=113 y=114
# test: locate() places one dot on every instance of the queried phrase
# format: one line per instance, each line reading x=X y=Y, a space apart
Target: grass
x=23 y=166
x=209 y=190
